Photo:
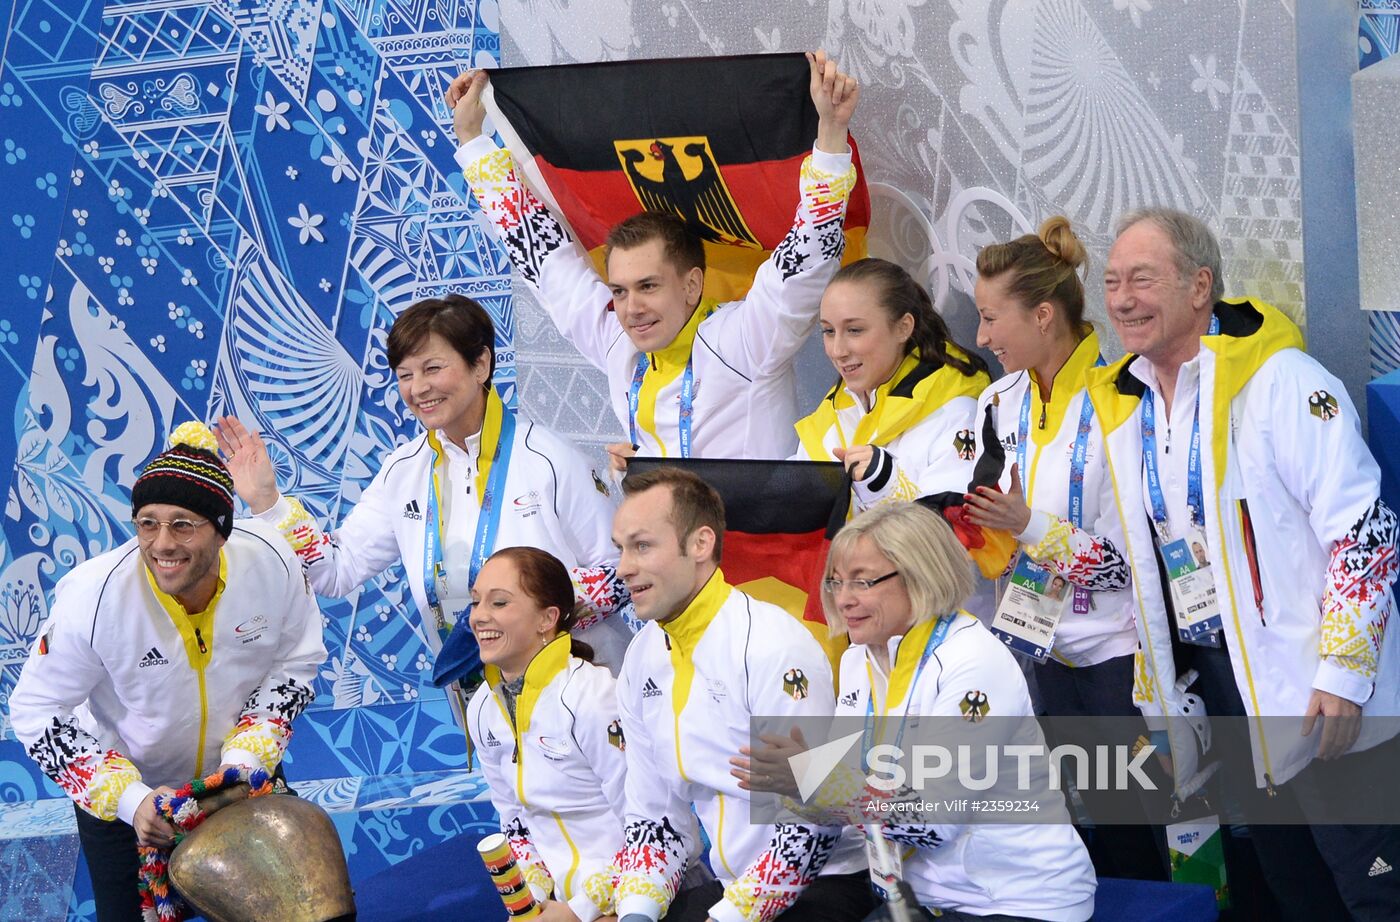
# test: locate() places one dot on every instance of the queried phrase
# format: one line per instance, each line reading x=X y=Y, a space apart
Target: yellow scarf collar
x=666 y=365
x=916 y=391
x=1069 y=380
x=490 y=437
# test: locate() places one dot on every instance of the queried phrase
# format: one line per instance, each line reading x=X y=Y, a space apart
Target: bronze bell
x=275 y=858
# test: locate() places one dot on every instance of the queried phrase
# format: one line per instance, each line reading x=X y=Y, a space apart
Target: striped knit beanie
x=190 y=475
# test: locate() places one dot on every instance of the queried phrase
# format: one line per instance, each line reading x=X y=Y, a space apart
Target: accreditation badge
x=1193 y=589
x=886 y=864
x=1029 y=612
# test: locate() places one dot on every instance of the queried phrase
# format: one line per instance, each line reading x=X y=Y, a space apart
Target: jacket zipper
x=1244 y=656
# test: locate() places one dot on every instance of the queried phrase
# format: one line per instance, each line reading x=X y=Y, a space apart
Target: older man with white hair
x=1263 y=558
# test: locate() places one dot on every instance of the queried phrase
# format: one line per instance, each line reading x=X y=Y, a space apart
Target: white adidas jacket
x=556 y=775
x=1304 y=580
x=553 y=501
x=1039 y=870
x=1081 y=555
x=687 y=692
x=745 y=385
x=116 y=697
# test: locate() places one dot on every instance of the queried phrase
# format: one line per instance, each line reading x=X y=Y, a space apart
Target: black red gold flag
x=719 y=141
x=780 y=517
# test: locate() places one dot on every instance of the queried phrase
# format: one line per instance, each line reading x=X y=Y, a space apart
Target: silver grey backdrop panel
x=980 y=118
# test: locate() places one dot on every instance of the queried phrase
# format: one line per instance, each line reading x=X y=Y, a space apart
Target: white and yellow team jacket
x=1089 y=556
x=556 y=775
x=687 y=691
x=921 y=420
x=124 y=691
x=553 y=500
x=1302 y=549
x=1040 y=870
x=743 y=352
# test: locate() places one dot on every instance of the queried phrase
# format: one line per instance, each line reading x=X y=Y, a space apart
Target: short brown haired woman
x=480 y=476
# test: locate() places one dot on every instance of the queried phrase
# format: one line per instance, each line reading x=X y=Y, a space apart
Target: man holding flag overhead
x=692 y=377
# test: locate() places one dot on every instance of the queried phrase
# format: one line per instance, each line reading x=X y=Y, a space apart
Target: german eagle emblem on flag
x=717 y=141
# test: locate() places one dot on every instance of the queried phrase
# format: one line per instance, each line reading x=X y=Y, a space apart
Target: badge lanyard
x=687 y=401
x=1078 y=462
x=1195 y=493
x=487 y=524
x=939 y=633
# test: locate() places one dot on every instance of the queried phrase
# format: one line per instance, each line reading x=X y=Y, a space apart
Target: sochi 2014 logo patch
x=965 y=444
x=795 y=684
x=615 y=736
x=974 y=706
x=1323 y=405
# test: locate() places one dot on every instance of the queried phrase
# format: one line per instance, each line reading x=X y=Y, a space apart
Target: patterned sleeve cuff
x=1335 y=676
x=585 y=908
x=639 y=904
x=1036 y=530
x=829 y=163
x=276 y=512
x=245 y=758
x=725 y=911
x=130 y=799
x=472 y=151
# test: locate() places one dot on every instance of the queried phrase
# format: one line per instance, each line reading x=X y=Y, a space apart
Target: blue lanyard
x=936 y=637
x=1078 y=460
x=1195 y=493
x=488 y=522
x=687 y=401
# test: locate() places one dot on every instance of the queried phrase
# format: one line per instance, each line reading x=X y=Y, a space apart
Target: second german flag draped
x=718 y=141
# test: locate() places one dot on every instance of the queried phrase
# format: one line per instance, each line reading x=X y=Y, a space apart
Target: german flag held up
x=718 y=141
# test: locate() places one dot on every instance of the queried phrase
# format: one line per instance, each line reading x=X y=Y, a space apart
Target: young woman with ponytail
x=1056 y=498
x=546 y=726
x=901 y=417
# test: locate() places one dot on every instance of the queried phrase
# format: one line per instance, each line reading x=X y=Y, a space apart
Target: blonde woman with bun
x=1056 y=498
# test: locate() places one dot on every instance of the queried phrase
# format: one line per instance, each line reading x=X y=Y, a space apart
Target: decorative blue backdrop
x=220 y=206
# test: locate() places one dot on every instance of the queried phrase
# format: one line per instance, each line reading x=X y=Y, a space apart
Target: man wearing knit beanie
x=188 y=649
x=187 y=487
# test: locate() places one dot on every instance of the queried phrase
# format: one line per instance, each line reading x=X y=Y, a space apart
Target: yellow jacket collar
x=1068 y=381
x=686 y=629
x=677 y=353
x=552 y=659
x=916 y=391
x=1250 y=333
x=490 y=438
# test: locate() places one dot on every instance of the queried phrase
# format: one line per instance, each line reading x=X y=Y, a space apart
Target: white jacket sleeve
x=654 y=851
x=259 y=738
x=60 y=674
x=1328 y=469
x=598 y=734
x=585 y=504
x=338 y=562
x=796 y=853
x=540 y=248
x=761 y=334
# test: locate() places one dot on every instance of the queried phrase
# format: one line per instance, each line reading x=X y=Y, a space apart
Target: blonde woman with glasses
x=894 y=580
